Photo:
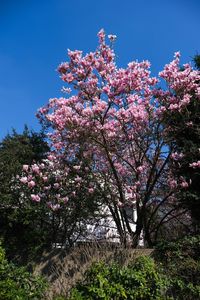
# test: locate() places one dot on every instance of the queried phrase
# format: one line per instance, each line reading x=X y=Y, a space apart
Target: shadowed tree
x=185 y=137
x=20 y=223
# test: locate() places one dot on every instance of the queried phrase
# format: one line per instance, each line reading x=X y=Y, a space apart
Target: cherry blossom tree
x=110 y=130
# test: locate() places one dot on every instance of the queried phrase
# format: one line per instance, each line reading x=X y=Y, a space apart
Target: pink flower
x=177 y=54
x=112 y=37
x=25 y=168
x=140 y=169
x=90 y=190
x=24 y=180
x=66 y=90
x=35 y=169
x=35 y=198
x=63 y=67
x=195 y=164
x=78 y=179
x=177 y=156
x=47 y=188
x=76 y=167
x=42 y=166
x=101 y=36
x=56 y=185
x=53 y=207
x=65 y=200
x=184 y=184
x=51 y=157
x=173 y=183
x=67 y=77
x=31 y=184
x=174 y=107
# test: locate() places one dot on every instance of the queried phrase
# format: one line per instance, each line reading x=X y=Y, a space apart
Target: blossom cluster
x=181 y=83
x=45 y=182
x=195 y=164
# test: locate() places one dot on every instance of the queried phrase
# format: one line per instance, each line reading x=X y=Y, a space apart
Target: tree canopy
x=112 y=132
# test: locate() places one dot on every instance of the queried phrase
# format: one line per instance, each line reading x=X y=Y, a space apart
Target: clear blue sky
x=35 y=36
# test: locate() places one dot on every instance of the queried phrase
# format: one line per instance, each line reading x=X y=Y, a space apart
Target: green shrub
x=18 y=284
x=179 y=250
x=181 y=261
x=138 y=281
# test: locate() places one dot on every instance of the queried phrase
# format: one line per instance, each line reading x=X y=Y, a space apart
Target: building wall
x=105 y=228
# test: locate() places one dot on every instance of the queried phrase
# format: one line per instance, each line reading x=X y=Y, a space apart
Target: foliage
x=184 y=248
x=140 y=280
x=181 y=262
x=20 y=222
x=18 y=284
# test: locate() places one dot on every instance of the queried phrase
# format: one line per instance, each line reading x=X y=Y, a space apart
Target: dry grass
x=63 y=269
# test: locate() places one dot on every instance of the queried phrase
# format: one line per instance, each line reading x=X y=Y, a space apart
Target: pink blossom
x=35 y=169
x=30 y=177
x=65 y=200
x=78 y=179
x=101 y=36
x=140 y=169
x=173 y=184
x=24 y=180
x=195 y=164
x=67 y=77
x=177 y=54
x=90 y=190
x=76 y=167
x=47 y=188
x=112 y=37
x=55 y=207
x=184 y=184
x=66 y=90
x=120 y=204
x=56 y=185
x=174 y=107
x=42 y=166
x=63 y=67
x=177 y=156
x=31 y=184
x=25 y=168
x=35 y=198
x=51 y=157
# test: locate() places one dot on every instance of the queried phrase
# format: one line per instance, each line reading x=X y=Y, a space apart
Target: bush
x=140 y=280
x=181 y=261
x=18 y=284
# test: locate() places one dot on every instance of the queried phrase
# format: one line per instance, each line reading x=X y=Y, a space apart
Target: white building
x=105 y=228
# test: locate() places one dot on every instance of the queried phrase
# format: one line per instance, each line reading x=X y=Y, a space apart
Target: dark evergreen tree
x=185 y=138
x=21 y=223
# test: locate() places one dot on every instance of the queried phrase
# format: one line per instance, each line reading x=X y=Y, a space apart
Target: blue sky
x=35 y=36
